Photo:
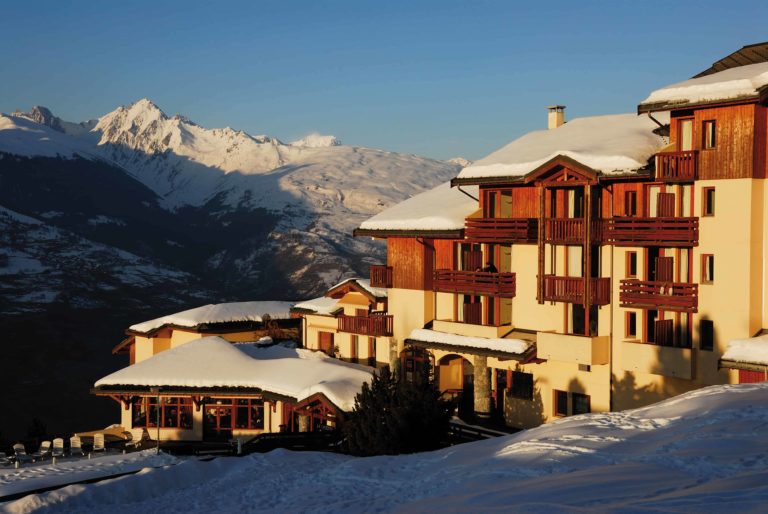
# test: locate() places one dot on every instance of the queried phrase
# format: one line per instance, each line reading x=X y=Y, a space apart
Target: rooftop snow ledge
x=439 y=209
x=742 y=83
x=613 y=144
x=751 y=351
x=518 y=347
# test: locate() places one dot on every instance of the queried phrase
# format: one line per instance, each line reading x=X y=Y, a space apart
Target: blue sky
x=440 y=79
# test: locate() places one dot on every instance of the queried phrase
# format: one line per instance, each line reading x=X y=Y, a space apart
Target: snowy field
x=705 y=451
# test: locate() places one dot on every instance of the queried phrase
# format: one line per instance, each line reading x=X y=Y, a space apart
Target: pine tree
x=394 y=416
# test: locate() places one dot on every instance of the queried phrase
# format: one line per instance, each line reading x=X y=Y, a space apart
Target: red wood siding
x=444 y=253
x=411 y=262
x=525 y=202
x=734 y=152
x=761 y=141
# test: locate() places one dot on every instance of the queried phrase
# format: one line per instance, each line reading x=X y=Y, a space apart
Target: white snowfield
x=441 y=208
x=215 y=362
x=735 y=83
x=321 y=305
x=518 y=346
x=704 y=451
x=20 y=136
x=753 y=350
x=612 y=144
x=218 y=313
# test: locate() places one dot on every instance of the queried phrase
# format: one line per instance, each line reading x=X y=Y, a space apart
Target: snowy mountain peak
x=460 y=161
x=315 y=140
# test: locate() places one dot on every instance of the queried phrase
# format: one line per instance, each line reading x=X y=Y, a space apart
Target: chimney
x=556 y=116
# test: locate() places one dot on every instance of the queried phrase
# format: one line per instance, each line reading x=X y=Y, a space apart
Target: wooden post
x=587 y=257
x=540 y=278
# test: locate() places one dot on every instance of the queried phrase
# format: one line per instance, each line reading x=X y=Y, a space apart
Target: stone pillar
x=482 y=388
x=394 y=357
x=303 y=423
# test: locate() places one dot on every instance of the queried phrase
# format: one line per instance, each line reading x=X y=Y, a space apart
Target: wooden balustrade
x=373 y=325
x=571 y=290
x=381 y=276
x=475 y=282
x=631 y=231
x=670 y=296
x=500 y=230
x=677 y=166
x=570 y=231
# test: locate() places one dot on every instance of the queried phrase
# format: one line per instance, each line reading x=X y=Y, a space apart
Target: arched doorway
x=455 y=379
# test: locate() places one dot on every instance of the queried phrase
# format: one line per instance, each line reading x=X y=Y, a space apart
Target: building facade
x=628 y=250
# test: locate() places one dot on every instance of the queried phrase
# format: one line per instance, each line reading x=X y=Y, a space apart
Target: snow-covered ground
x=705 y=451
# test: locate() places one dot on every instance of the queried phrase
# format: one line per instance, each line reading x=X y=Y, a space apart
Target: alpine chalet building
x=601 y=264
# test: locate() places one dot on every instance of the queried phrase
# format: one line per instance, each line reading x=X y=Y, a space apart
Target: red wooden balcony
x=381 y=276
x=373 y=325
x=475 y=282
x=677 y=166
x=668 y=296
x=500 y=230
x=631 y=231
x=571 y=290
x=570 y=231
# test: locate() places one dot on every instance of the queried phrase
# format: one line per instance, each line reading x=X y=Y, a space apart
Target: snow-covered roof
x=365 y=284
x=322 y=305
x=440 y=209
x=214 y=362
x=743 y=82
x=612 y=144
x=509 y=346
x=218 y=313
x=751 y=351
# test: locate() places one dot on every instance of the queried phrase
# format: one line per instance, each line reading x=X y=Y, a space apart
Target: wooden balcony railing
x=677 y=166
x=671 y=296
x=475 y=282
x=500 y=230
x=565 y=231
x=473 y=313
x=571 y=290
x=631 y=231
x=381 y=276
x=373 y=325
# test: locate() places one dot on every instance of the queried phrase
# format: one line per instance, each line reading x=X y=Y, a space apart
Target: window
x=709 y=131
x=685 y=134
x=707 y=335
x=371 y=351
x=174 y=412
x=708 y=201
x=561 y=403
x=630 y=203
x=631 y=264
x=522 y=385
x=630 y=325
x=354 y=350
x=249 y=414
x=707 y=269
x=580 y=403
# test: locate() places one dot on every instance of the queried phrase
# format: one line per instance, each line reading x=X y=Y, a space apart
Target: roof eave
x=485 y=181
x=483 y=352
x=432 y=234
x=746 y=366
x=759 y=96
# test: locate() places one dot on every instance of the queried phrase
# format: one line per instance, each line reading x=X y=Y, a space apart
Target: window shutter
x=664 y=269
x=665 y=205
